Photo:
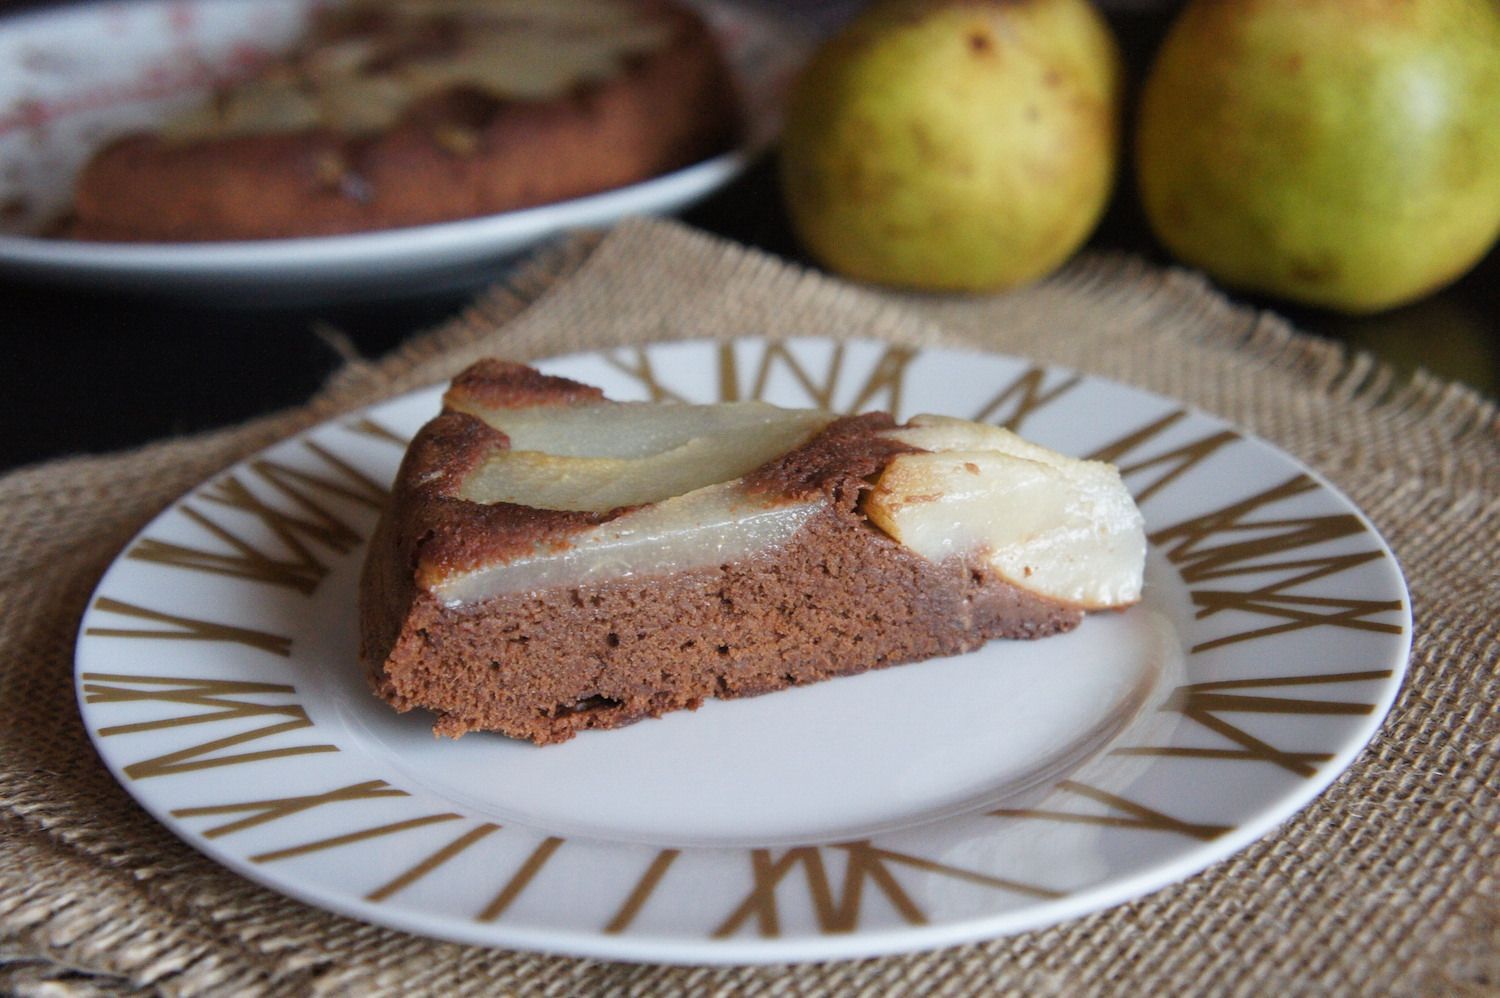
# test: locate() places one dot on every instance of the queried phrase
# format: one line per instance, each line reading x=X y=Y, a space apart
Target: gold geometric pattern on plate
x=307 y=525
x=357 y=836
x=1179 y=460
x=867 y=862
x=1203 y=702
x=1025 y=396
x=431 y=862
x=1215 y=545
x=883 y=384
x=379 y=431
x=260 y=812
x=519 y=880
x=227 y=700
x=639 y=367
x=187 y=628
x=1128 y=814
x=641 y=893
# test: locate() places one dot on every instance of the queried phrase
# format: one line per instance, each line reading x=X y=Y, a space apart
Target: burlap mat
x=1386 y=884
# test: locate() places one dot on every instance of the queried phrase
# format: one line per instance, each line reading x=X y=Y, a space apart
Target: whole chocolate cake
x=552 y=561
x=403 y=112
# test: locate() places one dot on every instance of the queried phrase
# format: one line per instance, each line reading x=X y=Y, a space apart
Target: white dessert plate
x=73 y=77
x=935 y=803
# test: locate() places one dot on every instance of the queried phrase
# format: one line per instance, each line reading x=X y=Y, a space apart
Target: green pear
x=954 y=144
x=1342 y=153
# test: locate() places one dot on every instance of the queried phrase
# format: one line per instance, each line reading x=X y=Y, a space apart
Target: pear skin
x=951 y=145
x=1340 y=153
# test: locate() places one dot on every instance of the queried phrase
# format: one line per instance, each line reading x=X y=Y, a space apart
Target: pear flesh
x=601 y=457
x=1062 y=528
x=1057 y=526
x=1341 y=153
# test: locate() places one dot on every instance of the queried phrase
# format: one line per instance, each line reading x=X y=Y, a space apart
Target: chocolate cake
x=403 y=112
x=551 y=561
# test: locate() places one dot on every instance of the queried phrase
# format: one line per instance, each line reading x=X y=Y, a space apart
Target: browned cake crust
x=454 y=154
x=839 y=598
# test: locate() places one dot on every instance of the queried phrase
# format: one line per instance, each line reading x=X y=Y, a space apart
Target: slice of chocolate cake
x=552 y=561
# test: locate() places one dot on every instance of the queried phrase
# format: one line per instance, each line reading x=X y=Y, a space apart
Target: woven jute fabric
x=1385 y=884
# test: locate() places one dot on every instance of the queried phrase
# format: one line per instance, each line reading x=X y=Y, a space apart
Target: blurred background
x=89 y=371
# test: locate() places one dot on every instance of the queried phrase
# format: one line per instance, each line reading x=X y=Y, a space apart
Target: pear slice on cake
x=1054 y=525
x=608 y=455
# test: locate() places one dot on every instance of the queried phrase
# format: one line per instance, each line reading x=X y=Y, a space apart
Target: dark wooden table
x=87 y=372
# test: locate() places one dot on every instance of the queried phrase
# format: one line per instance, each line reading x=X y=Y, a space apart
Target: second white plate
x=72 y=77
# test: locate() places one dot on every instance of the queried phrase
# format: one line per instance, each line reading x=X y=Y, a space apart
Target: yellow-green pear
x=954 y=144
x=1343 y=153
